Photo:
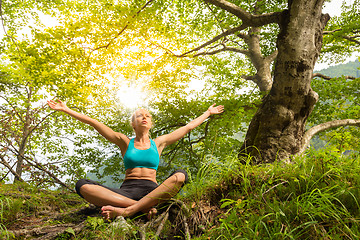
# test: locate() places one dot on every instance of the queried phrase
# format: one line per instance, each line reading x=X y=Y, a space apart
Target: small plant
x=67 y=234
x=4 y=234
x=95 y=222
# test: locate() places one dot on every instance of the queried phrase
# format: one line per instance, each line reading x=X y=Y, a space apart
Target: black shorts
x=131 y=188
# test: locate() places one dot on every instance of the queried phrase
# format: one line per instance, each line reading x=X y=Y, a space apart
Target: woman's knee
x=82 y=184
x=181 y=176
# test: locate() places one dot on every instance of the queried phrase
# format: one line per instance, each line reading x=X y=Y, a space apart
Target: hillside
x=314 y=198
x=346 y=69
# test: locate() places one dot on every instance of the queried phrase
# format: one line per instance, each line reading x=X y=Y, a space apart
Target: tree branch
x=41 y=121
x=272 y=56
x=205 y=134
x=248 y=18
x=40 y=167
x=328 y=78
x=13 y=107
x=352 y=39
x=224 y=49
x=309 y=134
x=124 y=28
x=216 y=38
x=332 y=31
x=6 y=164
x=172 y=126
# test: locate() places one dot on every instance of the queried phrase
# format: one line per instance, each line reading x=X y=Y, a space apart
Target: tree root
x=47 y=232
x=172 y=221
x=50 y=232
x=159 y=222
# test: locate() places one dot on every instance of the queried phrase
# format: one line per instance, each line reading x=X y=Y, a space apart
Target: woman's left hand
x=215 y=110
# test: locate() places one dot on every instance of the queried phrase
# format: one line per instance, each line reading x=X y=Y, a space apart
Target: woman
x=139 y=191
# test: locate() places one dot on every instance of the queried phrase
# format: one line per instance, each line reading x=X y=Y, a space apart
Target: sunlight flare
x=132 y=96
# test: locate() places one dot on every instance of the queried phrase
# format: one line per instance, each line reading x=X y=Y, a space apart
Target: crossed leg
x=101 y=196
x=169 y=188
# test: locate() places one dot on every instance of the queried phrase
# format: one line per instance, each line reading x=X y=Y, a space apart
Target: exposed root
x=47 y=232
x=161 y=226
x=50 y=232
x=174 y=211
x=174 y=220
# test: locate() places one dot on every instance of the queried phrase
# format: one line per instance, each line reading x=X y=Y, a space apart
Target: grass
x=4 y=205
x=314 y=197
x=21 y=203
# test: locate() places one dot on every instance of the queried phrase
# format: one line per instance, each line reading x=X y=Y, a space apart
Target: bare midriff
x=141 y=173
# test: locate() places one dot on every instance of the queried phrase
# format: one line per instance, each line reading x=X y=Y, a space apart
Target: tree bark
x=24 y=138
x=277 y=129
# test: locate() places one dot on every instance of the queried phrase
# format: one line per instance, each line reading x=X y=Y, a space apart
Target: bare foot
x=152 y=212
x=110 y=212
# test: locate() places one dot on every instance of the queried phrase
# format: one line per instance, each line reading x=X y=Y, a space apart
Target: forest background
x=257 y=58
x=94 y=64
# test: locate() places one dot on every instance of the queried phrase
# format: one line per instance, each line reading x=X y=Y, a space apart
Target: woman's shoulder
x=123 y=139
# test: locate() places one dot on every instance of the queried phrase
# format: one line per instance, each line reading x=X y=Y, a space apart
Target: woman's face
x=141 y=119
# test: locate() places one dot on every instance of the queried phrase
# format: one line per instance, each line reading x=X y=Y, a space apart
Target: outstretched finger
x=50 y=103
x=220 y=108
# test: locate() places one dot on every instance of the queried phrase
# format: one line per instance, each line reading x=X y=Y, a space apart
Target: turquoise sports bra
x=136 y=158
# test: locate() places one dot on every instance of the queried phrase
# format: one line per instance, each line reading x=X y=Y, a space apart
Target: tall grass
x=315 y=197
x=5 y=204
x=206 y=177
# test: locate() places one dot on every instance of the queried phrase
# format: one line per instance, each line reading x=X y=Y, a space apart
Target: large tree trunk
x=277 y=129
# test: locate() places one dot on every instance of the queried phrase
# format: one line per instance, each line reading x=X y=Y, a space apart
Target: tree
x=341 y=107
x=282 y=40
x=277 y=130
x=32 y=71
x=249 y=54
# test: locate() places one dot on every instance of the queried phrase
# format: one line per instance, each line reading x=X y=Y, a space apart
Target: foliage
x=341 y=39
x=315 y=197
x=40 y=65
x=93 y=46
x=343 y=104
x=21 y=202
x=74 y=63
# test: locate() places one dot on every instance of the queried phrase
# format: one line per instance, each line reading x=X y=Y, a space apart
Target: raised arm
x=115 y=137
x=166 y=140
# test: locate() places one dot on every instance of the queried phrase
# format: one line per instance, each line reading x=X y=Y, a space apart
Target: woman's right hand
x=58 y=106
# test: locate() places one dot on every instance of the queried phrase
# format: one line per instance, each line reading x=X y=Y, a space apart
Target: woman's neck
x=142 y=137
